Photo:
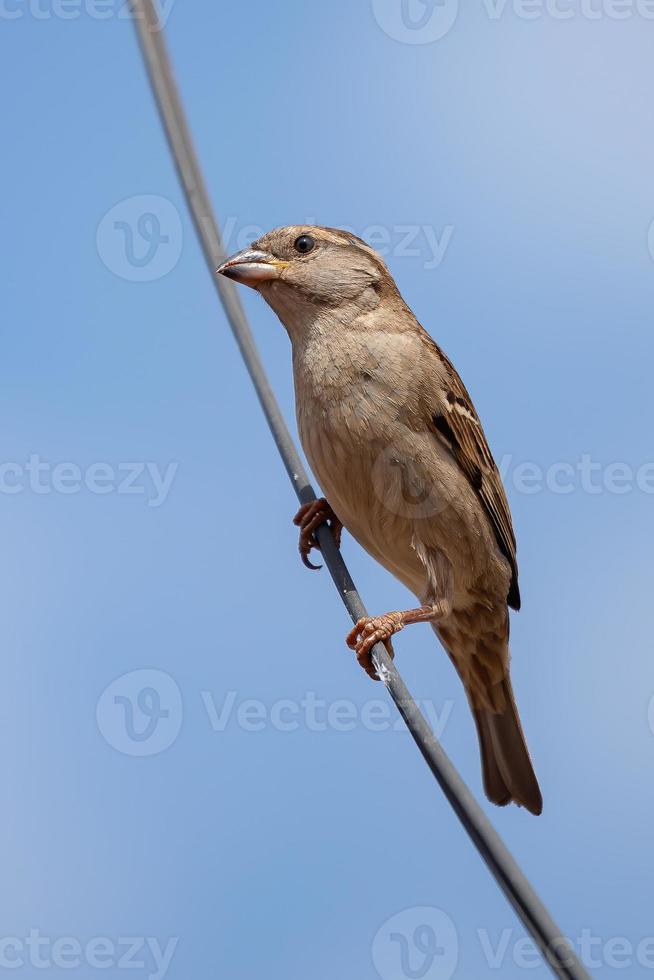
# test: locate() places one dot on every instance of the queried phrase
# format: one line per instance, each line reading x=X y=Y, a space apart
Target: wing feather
x=459 y=423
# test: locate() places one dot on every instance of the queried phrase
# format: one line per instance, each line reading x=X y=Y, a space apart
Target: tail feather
x=481 y=659
x=507 y=770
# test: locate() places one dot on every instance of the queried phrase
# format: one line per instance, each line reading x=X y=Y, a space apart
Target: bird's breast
x=352 y=424
x=387 y=476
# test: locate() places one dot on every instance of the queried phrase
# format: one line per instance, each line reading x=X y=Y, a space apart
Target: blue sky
x=190 y=755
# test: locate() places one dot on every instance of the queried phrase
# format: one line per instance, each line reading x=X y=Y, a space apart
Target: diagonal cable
x=555 y=948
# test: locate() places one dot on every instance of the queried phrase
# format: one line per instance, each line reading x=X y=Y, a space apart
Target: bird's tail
x=507 y=770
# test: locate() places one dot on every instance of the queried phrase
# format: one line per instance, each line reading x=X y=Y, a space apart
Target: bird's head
x=303 y=271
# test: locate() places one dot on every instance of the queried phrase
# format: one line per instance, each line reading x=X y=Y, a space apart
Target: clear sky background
x=247 y=796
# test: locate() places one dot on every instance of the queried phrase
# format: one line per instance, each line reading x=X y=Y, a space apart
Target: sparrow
x=394 y=440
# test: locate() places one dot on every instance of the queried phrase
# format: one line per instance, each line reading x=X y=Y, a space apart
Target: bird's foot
x=309 y=517
x=371 y=630
x=379 y=629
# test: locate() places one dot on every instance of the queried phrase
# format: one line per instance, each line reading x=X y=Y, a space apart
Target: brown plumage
x=396 y=444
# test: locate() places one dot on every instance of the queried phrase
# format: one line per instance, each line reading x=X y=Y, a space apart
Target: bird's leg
x=375 y=629
x=309 y=517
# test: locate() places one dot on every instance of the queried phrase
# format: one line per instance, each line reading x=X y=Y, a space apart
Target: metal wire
x=526 y=903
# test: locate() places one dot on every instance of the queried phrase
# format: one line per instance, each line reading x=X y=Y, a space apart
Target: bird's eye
x=304 y=244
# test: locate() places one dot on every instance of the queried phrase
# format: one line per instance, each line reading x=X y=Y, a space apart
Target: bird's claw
x=370 y=630
x=309 y=518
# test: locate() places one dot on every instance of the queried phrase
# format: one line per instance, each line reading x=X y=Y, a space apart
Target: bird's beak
x=252 y=267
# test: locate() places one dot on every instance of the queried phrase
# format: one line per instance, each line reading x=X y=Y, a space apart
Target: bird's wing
x=455 y=419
